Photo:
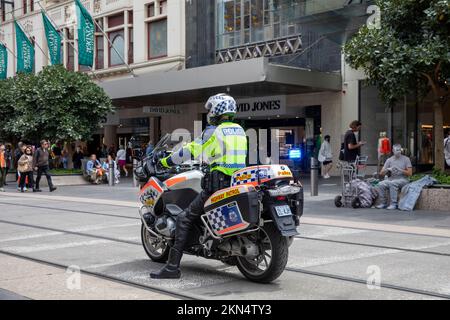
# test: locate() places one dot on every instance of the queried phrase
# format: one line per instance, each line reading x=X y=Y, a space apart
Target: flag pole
x=111 y=44
x=35 y=41
x=67 y=40
x=9 y=50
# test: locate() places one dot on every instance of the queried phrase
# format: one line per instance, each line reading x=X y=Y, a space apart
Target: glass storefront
x=249 y=21
x=409 y=123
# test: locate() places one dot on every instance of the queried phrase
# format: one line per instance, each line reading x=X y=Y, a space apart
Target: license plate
x=283 y=211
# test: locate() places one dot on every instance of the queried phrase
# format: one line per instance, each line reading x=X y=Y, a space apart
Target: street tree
x=57 y=104
x=6 y=108
x=408 y=51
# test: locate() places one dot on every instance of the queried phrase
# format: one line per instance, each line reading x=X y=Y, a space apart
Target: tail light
x=281 y=198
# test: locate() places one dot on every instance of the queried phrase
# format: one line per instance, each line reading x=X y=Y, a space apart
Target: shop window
x=151 y=10
x=70 y=58
x=115 y=54
x=130 y=45
x=98 y=25
x=163 y=7
x=157 y=38
x=130 y=17
x=375 y=118
x=100 y=53
x=3 y=14
x=116 y=20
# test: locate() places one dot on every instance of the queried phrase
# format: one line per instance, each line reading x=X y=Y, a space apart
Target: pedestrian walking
x=351 y=145
x=77 y=157
x=122 y=159
x=326 y=157
x=65 y=158
x=9 y=159
x=25 y=167
x=2 y=167
x=56 y=155
x=41 y=165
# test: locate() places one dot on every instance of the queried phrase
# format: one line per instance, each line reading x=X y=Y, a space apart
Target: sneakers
x=381 y=206
x=392 y=207
x=327 y=176
x=2 y=190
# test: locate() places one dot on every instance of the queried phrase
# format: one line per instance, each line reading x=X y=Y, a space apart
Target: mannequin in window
x=384 y=149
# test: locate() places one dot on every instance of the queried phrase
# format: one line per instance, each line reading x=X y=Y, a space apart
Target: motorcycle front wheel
x=273 y=257
x=156 y=249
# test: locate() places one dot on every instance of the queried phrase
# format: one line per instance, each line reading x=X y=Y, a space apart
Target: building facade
x=159 y=60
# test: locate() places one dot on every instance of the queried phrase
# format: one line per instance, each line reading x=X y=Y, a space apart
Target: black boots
x=172 y=269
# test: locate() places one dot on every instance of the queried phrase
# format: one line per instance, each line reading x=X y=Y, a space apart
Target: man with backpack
x=41 y=165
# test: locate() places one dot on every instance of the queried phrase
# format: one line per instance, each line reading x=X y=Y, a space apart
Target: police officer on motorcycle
x=223 y=146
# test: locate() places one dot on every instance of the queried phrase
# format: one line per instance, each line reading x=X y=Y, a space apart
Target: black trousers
x=185 y=222
x=23 y=176
x=44 y=170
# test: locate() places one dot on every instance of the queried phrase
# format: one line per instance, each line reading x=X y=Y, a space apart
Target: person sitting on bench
x=94 y=170
x=397 y=171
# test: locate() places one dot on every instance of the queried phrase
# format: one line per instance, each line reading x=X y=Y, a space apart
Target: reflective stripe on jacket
x=223 y=147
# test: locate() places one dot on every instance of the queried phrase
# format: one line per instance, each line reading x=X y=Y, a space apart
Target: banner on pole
x=3 y=62
x=53 y=40
x=25 y=51
x=85 y=35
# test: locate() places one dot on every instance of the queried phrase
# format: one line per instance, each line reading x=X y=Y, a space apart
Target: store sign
x=163 y=111
x=262 y=106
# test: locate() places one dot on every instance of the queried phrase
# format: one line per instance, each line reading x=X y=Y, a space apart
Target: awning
x=248 y=78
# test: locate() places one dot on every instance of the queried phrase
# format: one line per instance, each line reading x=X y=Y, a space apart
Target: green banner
x=3 y=62
x=53 y=40
x=25 y=51
x=85 y=35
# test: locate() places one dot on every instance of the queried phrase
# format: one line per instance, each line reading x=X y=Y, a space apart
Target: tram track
x=155 y=288
x=298 y=237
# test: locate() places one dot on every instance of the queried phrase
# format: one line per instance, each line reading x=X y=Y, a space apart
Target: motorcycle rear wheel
x=267 y=266
x=155 y=249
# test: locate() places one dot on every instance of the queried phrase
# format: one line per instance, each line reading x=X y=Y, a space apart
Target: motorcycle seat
x=173 y=209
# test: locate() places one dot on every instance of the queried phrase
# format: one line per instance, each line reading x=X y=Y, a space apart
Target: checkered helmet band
x=221 y=104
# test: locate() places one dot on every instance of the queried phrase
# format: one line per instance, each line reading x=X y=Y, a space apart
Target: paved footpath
x=97 y=229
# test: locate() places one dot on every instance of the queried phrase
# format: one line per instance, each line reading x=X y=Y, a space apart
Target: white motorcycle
x=251 y=224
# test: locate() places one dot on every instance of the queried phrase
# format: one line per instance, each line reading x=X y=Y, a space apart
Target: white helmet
x=219 y=105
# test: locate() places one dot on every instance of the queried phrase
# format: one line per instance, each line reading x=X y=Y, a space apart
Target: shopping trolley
x=350 y=172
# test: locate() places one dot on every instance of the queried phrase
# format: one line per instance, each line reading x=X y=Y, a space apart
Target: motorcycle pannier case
x=232 y=210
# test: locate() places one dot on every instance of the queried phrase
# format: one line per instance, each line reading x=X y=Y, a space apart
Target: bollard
x=314 y=177
x=135 y=182
x=111 y=173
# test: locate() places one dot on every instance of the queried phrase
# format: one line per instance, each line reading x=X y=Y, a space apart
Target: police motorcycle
x=250 y=225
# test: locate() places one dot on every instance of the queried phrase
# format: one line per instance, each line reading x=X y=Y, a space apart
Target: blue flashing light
x=295 y=154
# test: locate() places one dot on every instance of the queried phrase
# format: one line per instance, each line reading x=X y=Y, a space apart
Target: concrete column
x=154 y=129
x=110 y=135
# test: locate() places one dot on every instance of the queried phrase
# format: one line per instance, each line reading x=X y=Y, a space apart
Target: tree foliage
x=410 y=50
x=54 y=104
